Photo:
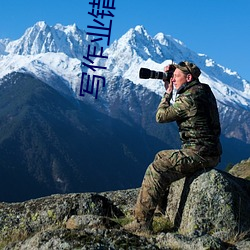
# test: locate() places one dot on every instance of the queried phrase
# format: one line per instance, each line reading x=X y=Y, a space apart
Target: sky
x=218 y=28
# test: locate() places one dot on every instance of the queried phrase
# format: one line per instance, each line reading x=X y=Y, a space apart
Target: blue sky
x=218 y=28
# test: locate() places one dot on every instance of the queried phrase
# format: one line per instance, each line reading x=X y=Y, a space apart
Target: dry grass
x=239 y=237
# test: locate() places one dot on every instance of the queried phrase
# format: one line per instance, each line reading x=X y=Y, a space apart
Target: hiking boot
x=140 y=227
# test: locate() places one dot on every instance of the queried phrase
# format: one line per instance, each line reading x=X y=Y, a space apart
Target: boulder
x=210 y=202
x=19 y=221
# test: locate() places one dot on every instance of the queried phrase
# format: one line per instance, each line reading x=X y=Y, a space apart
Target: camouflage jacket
x=196 y=113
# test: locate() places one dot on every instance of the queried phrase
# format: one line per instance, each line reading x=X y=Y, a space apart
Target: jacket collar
x=187 y=85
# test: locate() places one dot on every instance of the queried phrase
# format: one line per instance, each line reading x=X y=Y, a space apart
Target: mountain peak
x=135 y=49
x=141 y=29
x=41 y=24
x=67 y=29
x=167 y=40
x=139 y=49
x=134 y=35
x=42 y=38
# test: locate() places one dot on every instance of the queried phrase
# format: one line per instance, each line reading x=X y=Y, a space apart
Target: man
x=195 y=111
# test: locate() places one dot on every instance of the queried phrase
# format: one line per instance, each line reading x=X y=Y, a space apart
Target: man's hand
x=168 y=85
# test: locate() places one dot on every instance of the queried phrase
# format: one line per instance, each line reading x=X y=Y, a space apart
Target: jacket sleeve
x=181 y=109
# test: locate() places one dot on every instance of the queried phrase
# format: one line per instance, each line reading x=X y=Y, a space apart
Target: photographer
x=195 y=111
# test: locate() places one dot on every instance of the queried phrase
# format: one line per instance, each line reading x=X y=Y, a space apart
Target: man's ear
x=189 y=77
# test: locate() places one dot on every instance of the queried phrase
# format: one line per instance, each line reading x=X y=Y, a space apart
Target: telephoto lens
x=147 y=73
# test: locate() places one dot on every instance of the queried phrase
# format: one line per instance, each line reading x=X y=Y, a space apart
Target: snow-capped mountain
x=54 y=53
x=58 y=50
x=47 y=52
x=50 y=140
x=137 y=49
x=42 y=38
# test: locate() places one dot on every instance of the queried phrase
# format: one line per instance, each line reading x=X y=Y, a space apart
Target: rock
x=241 y=169
x=63 y=239
x=209 y=210
x=178 y=241
x=124 y=199
x=212 y=202
x=21 y=220
x=90 y=221
x=243 y=245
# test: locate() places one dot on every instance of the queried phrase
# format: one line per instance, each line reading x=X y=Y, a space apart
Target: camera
x=145 y=73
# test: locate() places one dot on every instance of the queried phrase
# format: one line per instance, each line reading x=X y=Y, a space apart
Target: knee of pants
x=161 y=154
x=157 y=172
x=152 y=172
x=157 y=156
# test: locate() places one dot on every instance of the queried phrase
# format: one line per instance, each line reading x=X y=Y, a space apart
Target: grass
x=160 y=223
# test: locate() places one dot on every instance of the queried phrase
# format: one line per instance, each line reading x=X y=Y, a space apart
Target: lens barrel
x=145 y=73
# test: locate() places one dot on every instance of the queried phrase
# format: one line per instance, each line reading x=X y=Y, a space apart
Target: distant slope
x=53 y=144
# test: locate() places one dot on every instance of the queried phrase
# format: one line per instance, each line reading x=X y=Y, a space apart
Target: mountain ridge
x=119 y=126
x=161 y=50
x=138 y=49
x=42 y=38
x=56 y=68
x=56 y=144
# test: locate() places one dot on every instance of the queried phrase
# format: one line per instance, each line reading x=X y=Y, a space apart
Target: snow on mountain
x=137 y=49
x=45 y=67
x=3 y=43
x=42 y=38
x=47 y=51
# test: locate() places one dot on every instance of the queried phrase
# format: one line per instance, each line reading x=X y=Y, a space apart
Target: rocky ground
x=208 y=211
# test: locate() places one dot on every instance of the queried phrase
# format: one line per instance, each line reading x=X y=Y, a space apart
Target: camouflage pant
x=167 y=167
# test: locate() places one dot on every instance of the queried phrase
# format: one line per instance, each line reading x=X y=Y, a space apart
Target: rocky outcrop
x=210 y=202
x=241 y=169
x=209 y=210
